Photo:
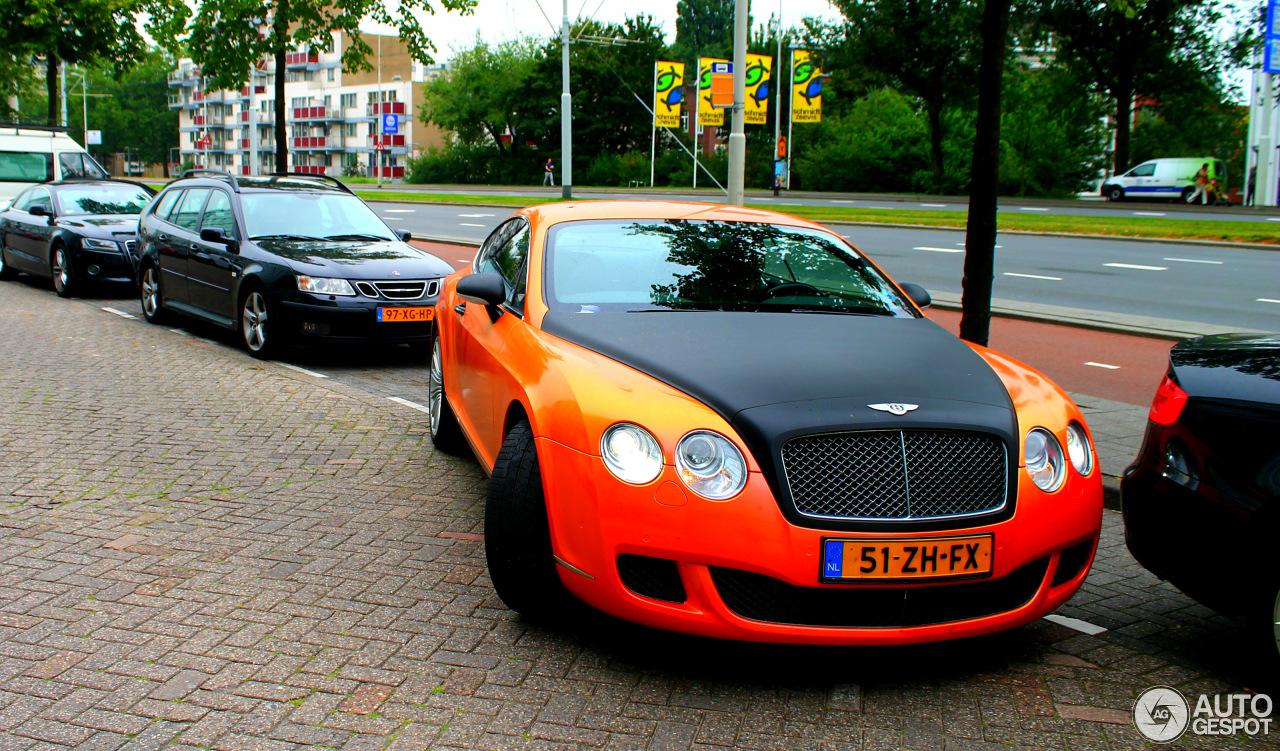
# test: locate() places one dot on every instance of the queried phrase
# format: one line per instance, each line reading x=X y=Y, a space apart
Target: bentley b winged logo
x=894 y=408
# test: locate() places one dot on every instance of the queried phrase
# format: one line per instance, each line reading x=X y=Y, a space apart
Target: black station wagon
x=281 y=259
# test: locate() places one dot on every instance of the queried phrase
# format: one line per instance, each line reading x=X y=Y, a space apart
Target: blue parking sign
x=390 y=124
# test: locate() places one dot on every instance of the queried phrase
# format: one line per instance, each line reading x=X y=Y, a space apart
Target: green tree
x=704 y=28
x=1052 y=133
x=1191 y=125
x=482 y=95
x=134 y=115
x=879 y=145
x=86 y=32
x=926 y=48
x=233 y=35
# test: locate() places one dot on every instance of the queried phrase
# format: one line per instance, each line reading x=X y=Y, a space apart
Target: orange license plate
x=396 y=315
x=846 y=560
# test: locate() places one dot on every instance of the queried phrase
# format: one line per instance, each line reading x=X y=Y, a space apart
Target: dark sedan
x=281 y=259
x=72 y=231
x=1202 y=501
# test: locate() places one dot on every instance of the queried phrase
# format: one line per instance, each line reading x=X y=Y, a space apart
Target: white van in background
x=1167 y=179
x=37 y=154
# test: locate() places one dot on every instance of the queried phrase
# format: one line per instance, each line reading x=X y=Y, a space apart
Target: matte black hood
x=1244 y=367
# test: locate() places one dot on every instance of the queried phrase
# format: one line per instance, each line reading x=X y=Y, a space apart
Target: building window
x=348 y=101
x=328 y=100
x=298 y=101
x=332 y=73
x=308 y=75
x=292 y=76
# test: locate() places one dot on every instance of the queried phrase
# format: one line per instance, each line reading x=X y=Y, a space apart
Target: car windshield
x=102 y=199
x=25 y=167
x=311 y=215
x=677 y=264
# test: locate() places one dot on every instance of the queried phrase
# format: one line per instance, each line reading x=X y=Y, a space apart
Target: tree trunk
x=934 y=110
x=280 y=29
x=980 y=235
x=51 y=84
x=1124 y=123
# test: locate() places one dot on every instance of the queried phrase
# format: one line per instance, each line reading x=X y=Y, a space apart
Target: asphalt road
x=1227 y=286
x=1159 y=209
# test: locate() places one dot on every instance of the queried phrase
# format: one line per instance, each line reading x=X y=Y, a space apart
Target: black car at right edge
x=1202 y=500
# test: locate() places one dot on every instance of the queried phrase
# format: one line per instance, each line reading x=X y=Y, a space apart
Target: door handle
x=163 y=238
x=460 y=308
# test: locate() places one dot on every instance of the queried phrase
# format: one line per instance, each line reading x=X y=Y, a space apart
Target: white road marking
x=303 y=371
x=1193 y=260
x=1267 y=299
x=409 y=404
x=1075 y=623
x=1273 y=219
x=474 y=216
x=935 y=205
x=834 y=200
x=1103 y=365
x=791 y=204
x=1148 y=213
x=120 y=313
x=1137 y=266
x=394 y=218
x=1034 y=276
x=468 y=224
x=1031 y=208
x=399 y=211
x=939 y=250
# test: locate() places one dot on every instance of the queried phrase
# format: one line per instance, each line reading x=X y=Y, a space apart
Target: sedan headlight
x=92 y=244
x=631 y=453
x=710 y=465
x=1078 y=449
x=322 y=286
x=1045 y=462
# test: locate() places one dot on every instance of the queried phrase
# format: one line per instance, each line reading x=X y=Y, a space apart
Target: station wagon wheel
x=517 y=534
x=62 y=272
x=151 y=297
x=256 y=325
x=446 y=434
x=6 y=271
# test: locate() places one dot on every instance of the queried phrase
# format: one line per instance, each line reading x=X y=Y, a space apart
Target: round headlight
x=1045 y=462
x=710 y=465
x=1078 y=449
x=631 y=453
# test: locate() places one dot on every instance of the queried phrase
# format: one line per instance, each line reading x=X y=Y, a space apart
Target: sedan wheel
x=255 y=327
x=446 y=434
x=6 y=271
x=60 y=269
x=152 y=301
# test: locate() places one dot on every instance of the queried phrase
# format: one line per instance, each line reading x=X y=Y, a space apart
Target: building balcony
x=311 y=169
x=316 y=113
x=384 y=108
x=294 y=60
x=315 y=143
x=380 y=142
x=391 y=172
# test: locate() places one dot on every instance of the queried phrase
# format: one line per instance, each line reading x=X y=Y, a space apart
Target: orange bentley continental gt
x=732 y=423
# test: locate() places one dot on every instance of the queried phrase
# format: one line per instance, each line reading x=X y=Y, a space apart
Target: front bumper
x=102 y=265
x=353 y=319
x=749 y=574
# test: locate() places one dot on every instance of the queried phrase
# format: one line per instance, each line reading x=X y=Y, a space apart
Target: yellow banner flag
x=759 y=83
x=668 y=91
x=707 y=115
x=806 y=88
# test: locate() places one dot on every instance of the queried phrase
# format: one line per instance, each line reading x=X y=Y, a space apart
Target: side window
x=484 y=259
x=1143 y=170
x=38 y=197
x=166 y=204
x=506 y=256
x=218 y=214
x=23 y=200
x=188 y=213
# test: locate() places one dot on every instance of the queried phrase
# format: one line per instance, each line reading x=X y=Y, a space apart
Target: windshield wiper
x=288 y=237
x=357 y=236
x=864 y=311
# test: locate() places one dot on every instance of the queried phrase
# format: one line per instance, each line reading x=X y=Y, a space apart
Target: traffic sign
x=390 y=124
x=722 y=84
x=93 y=138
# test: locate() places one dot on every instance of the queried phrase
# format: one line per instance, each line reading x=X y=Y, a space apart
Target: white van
x=1164 y=178
x=31 y=155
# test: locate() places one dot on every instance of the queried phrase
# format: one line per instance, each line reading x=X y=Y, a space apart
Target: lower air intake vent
x=1070 y=561
x=655 y=578
x=763 y=598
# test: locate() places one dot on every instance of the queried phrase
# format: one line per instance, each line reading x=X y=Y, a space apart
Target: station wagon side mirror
x=404 y=235
x=485 y=289
x=919 y=295
x=217 y=235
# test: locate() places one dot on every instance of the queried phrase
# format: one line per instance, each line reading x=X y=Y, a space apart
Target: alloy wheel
x=150 y=293
x=253 y=321
x=435 y=388
x=1275 y=622
x=61 y=270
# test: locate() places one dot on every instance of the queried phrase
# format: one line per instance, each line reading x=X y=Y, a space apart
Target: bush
x=881 y=145
x=610 y=170
x=460 y=164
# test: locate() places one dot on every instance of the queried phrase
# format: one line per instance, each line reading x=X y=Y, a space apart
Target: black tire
x=1265 y=627
x=7 y=272
x=151 y=296
x=1115 y=193
x=446 y=433
x=1186 y=193
x=259 y=324
x=517 y=534
x=62 y=271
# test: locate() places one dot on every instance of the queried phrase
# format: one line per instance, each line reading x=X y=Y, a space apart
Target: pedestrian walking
x=1251 y=185
x=548 y=173
x=1201 y=180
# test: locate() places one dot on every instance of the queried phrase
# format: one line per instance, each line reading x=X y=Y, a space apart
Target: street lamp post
x=738 y=134
x=566 y=111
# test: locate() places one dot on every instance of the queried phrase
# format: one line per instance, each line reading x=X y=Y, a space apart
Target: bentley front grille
x=896 y=474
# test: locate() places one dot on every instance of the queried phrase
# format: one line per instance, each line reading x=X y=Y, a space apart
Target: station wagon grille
x=411 y=289
x=892 y=474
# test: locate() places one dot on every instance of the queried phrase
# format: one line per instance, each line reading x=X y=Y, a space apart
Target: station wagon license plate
x=847 y=560
x=396 y=315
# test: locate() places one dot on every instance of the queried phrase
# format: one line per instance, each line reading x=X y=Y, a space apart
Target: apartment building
x=335 y=119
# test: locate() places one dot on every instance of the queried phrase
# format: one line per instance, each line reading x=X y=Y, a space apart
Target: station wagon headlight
x=1078 y=449
x=631 y=453
x=92 y=244
x=710 y=465
x=322 y=286
x=1045 y=462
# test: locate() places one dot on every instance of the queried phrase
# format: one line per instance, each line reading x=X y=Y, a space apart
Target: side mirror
x=217 y=235
x=404 y=235
x=919 y=295
x=38 y=210
x=485 y=289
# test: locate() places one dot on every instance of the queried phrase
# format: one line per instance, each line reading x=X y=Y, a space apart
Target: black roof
x=290 y=181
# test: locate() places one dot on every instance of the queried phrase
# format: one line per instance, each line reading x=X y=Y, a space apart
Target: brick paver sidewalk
x=197 y=548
